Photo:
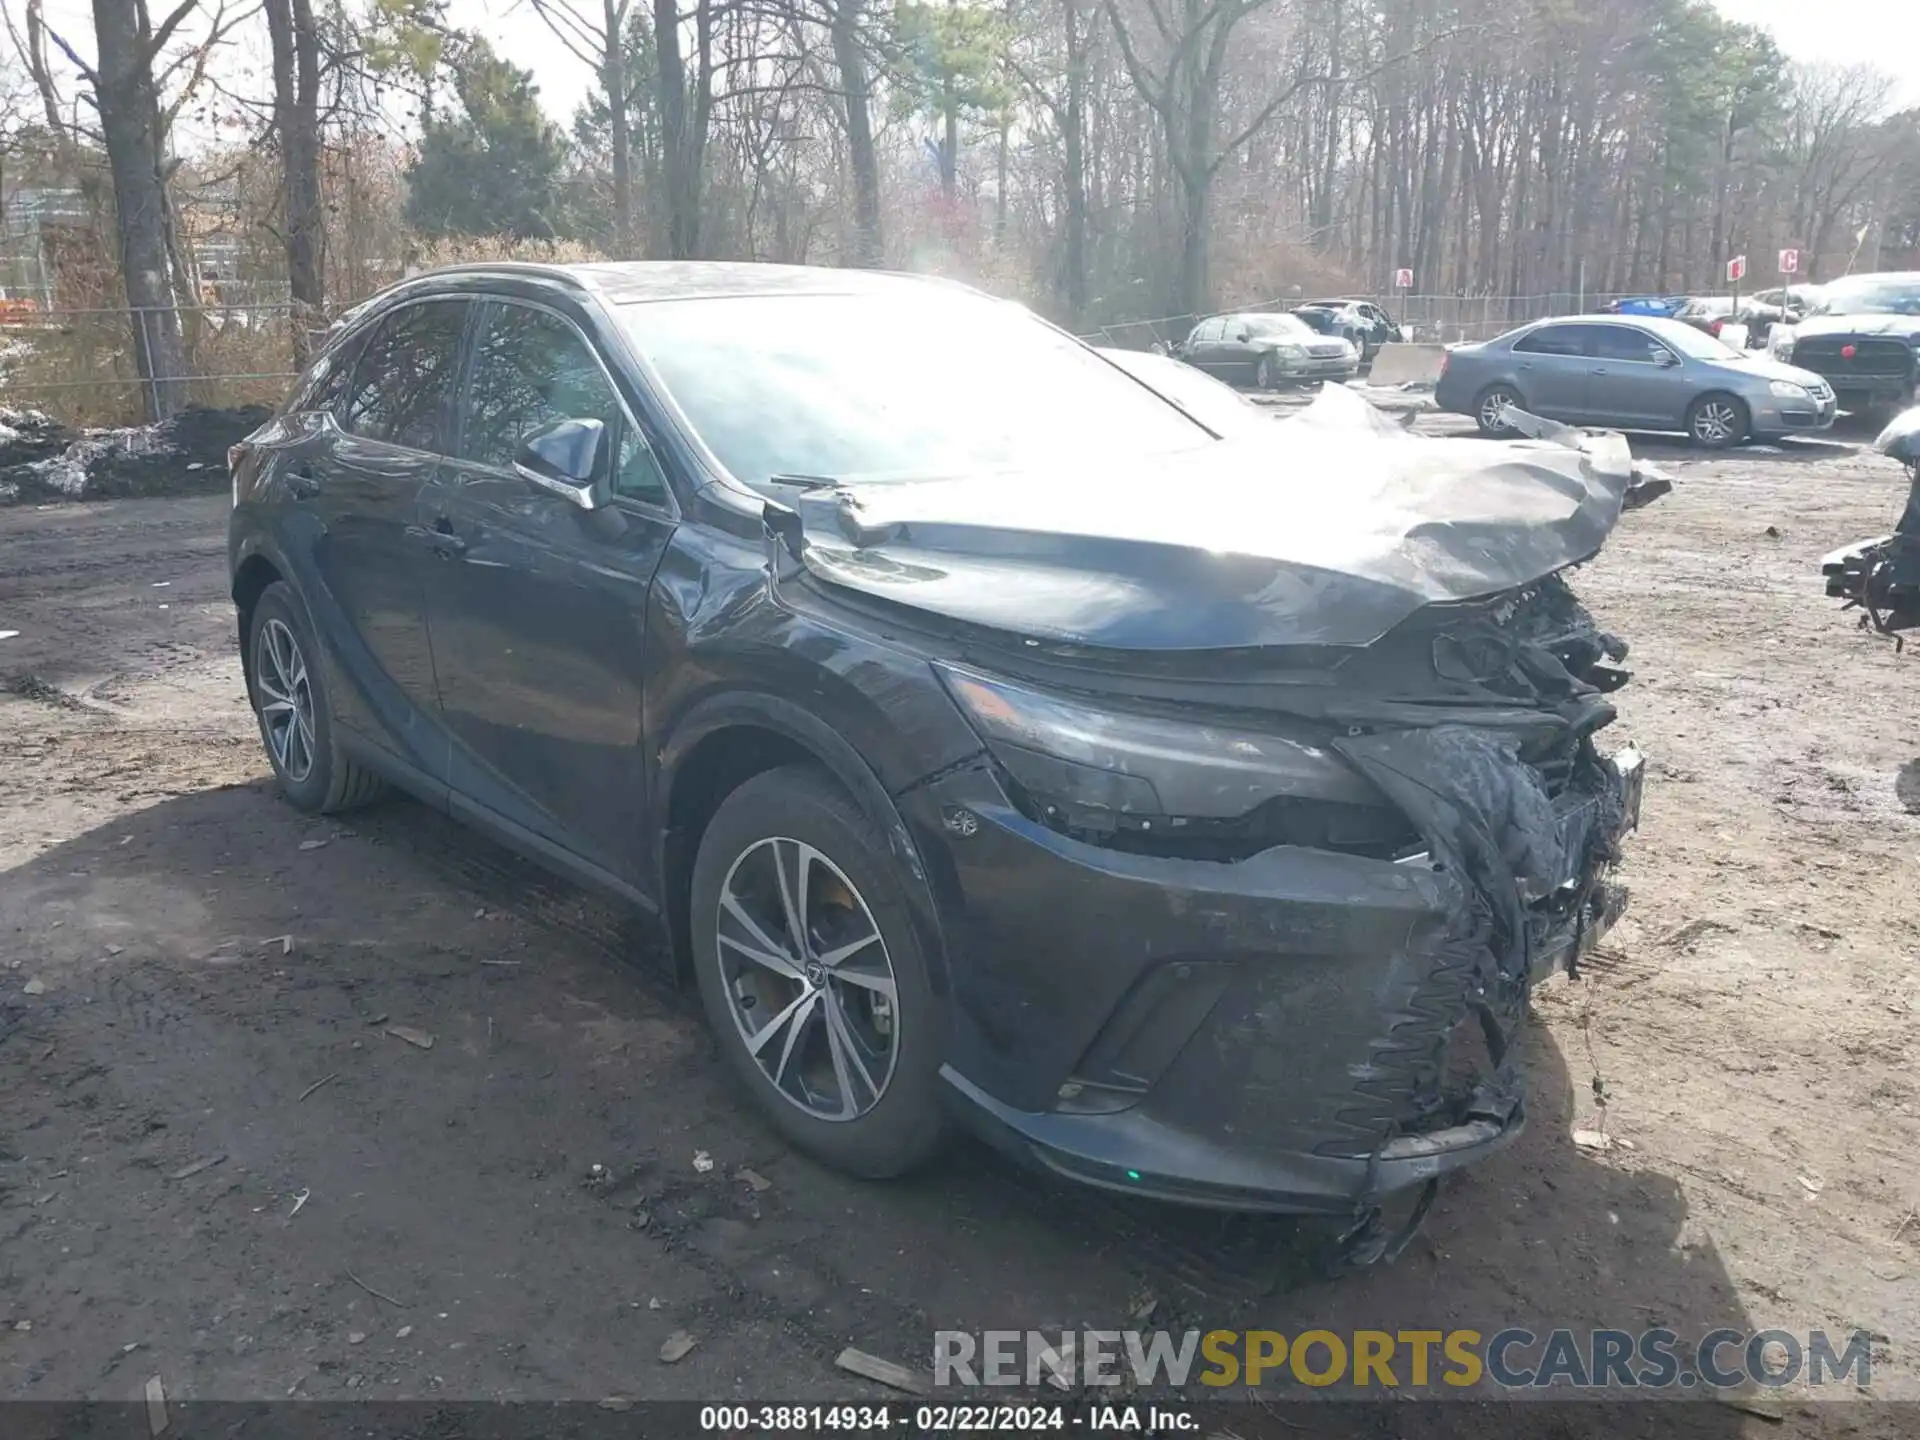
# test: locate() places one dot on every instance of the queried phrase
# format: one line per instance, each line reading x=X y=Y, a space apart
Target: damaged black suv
x=994 y=740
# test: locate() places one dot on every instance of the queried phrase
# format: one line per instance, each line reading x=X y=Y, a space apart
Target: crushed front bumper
x=1302 y=1030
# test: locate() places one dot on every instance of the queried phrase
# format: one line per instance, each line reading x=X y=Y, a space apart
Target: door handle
x=1598 y=370
x=302 y=483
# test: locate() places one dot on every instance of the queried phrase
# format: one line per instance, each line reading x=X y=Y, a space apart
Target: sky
x=1884 y=33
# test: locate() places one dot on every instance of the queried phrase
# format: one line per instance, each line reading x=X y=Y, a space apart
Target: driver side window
x=531 y=368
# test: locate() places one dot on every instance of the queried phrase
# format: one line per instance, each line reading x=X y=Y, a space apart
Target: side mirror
x=568 y=459
x=1665 y=359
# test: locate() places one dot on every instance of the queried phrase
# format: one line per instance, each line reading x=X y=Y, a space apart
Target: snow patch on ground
x=65 y=473
x=41 y=458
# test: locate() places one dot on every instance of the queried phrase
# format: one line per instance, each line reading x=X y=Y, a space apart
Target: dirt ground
x=217 y=1165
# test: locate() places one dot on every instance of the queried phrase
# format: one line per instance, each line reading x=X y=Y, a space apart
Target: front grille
x=1326 y=352
x=1871 y=358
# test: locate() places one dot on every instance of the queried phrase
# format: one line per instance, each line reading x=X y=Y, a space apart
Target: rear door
x=538 y=612
x=1627 y=385
x=1550 y=366
x=361 y=480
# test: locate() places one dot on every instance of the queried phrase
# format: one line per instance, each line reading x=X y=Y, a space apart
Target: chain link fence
x=77 y=364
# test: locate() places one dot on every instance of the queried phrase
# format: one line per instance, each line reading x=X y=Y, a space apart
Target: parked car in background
x=1635 y=373
x=1862 y=334
x=1708 y=313
x=991 y=739
x=1371 y=323
x=1218 y=406
x=1661 y=306
x=1266 y=351
x=1785 y=306
x=1335 y=323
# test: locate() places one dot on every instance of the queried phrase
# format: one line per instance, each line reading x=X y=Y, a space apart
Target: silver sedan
x=1633 y=373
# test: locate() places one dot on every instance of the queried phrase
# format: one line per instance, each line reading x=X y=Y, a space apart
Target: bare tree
x=845 y=19
x=297 y=78
x=596 y=35
x=128 y=101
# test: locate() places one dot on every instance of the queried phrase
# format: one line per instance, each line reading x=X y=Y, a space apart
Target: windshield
x=1283 y=327
x=1220 y=408
x=915 y=382
x=1871 y=295
x=1695 y=344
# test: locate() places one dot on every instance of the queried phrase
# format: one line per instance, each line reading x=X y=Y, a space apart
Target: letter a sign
x=1789 y=262
x=1737 y=269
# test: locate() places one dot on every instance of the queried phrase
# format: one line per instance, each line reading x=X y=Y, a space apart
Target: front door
x=539 y=612
x=1630 y=384
x=1204 y=350
x=1237 y=357
x=361 y=476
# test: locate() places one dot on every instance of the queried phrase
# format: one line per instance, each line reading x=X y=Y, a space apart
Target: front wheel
x=1717 y=421
x=1266 y=374
x=813 y=977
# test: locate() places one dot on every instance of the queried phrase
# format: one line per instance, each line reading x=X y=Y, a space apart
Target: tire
x=283 y=659
x=1718 y=420
x=1266 y=375
x=797 y=819
x=1487 y=407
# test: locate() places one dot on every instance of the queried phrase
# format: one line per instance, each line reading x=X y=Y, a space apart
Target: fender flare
x=760 y=710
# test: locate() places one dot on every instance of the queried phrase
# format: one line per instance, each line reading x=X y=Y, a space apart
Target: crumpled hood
x=1903 y=327
x=1329 y=531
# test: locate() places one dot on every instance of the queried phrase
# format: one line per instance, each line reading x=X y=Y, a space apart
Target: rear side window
x=1554 y=340
x=1208 y=330
x=403 y=385
x=326 y=383
x=531 y=368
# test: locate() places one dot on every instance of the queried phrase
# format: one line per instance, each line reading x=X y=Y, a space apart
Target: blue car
x=1664 y=306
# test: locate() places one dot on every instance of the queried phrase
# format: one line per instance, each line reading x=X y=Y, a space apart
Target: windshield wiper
x=804 y=482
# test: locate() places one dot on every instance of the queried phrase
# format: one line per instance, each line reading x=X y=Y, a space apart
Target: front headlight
x=1089 y=766
x=1787 y=390
x=1290 y=352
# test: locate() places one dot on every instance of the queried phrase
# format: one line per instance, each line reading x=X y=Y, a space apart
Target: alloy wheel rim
x=1494 y=412
x=286 y=699
x=1714 y=422
x=808 y=979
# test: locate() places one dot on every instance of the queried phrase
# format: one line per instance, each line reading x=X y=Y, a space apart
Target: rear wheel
x=813 y=977
x=1718 y=420
x=289 y=696
x=1490 y=410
